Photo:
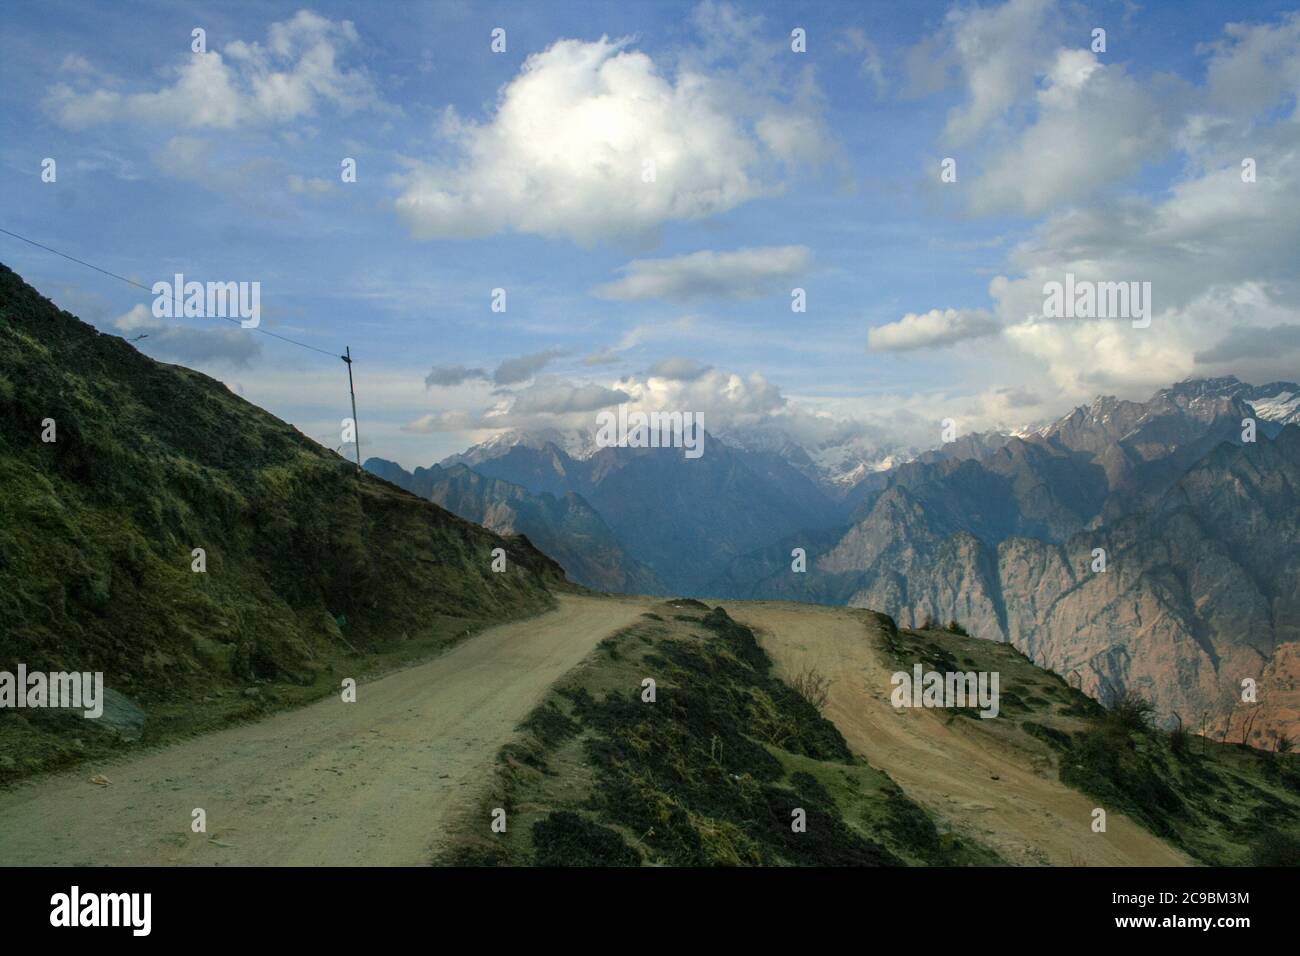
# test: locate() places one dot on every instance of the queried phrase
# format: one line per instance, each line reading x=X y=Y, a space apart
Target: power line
x=346 y=357
x=88 y=265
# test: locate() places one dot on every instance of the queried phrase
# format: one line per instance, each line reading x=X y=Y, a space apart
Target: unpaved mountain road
x=375 y=782
x=978 y=781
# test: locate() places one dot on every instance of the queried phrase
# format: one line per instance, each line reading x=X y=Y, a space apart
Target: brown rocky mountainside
x=1199 y=592
x=1201 y=587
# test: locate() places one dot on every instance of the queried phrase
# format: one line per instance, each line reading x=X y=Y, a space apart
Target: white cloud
x=1041 y=124
x=855 y=40
x=514 y=370
x=680 y=327
x=192 y=159
x=561 y=398
x=1254 y=66
x=606 y=356
x=1094 y=124
x=1218 y=252
x=742 y=274
x=544 y=404
x=726 y=399
x=245 y=84
x=678 y=369
x=312 y=185
x=934 y=329
x=998 y=52
x=567 y=148
x=169 y=339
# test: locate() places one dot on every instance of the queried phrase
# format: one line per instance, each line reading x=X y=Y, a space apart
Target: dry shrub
x=812 y=686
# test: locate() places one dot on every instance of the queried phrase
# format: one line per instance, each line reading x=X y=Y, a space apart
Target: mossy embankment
x=312 y=573
x=714 y=771
x=1222 y=804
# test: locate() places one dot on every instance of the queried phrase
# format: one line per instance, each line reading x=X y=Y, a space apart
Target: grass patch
x=312 y=572
x=1223 y=804
x=728 y=766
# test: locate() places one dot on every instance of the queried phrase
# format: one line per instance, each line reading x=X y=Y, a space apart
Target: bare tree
x=1178 y=737
x=1248 y=724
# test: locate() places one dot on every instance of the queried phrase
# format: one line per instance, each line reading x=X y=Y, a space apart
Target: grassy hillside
x=1223 y=804
x=707 y=774
x=313 y=573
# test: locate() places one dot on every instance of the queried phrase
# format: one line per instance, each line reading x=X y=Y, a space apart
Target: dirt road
x=960 y=771
x=370 y=782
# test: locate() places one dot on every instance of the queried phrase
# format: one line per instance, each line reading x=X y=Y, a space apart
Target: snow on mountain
x=1282 y=407
x=576 y=443
x=847 y=458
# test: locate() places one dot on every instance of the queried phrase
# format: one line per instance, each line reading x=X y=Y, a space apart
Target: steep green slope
x=709 y=773
x=307 y=563
x=1224 y=804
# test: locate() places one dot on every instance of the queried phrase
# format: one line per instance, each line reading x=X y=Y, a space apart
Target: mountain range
x=214 y=564
x=564 y=527
x=1199 y=525
x=686 y=520
x=1129 y=546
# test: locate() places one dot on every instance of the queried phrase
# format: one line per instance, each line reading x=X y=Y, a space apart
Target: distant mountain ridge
x=565 y=528
x=997 y=531
x=685 y=519
x=1201 y=534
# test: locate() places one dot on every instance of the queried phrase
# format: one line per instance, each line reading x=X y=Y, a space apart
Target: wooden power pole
x=356 y=434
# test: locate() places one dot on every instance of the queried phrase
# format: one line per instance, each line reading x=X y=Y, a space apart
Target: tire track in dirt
x=1026 y=813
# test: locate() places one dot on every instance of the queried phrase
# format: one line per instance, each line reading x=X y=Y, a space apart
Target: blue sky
x=524 y=170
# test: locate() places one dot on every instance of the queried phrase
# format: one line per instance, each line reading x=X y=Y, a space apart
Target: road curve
x=375 y=782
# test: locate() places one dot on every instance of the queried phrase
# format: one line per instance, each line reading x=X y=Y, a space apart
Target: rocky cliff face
x=1200 y=534
x=1199 y=592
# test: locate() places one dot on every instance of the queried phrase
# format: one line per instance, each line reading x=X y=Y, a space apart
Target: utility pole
x=356 y=435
